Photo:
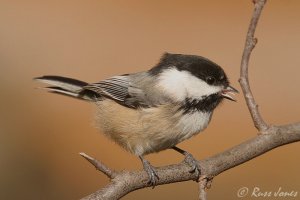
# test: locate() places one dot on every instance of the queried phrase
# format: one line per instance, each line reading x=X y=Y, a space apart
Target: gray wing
x=128 y=90
x=115 y=87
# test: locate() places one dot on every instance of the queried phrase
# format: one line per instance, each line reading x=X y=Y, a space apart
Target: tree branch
x=203 y=181
x=99 y=166
x=128 y=181
x=125 y=182
x=244 y=81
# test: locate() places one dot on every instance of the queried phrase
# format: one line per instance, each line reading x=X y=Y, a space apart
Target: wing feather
x=130 y=90
x=115 y=87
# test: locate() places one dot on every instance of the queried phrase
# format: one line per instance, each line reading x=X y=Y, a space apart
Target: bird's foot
x=191 y=161
x=153 y=177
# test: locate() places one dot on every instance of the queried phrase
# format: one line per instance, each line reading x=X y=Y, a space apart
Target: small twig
x=99 y=166
x=202 y=187
x=244 y=81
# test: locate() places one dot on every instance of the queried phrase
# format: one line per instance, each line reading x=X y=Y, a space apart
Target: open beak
x=229 y=92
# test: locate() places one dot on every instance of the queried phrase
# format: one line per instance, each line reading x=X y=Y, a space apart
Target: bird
x=154 y=110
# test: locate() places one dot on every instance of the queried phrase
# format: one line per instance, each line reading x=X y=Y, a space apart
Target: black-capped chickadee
x=151 y=111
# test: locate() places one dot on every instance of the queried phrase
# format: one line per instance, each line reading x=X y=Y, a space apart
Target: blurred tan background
x=41 y=134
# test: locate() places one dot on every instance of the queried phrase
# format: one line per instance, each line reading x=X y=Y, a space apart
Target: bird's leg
x=190 y=160
x=153 y=177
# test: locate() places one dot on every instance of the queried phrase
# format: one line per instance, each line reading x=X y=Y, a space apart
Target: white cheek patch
x=182 y=84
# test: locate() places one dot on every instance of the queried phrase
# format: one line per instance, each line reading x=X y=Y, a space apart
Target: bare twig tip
x=99 y=165
x=85 y=156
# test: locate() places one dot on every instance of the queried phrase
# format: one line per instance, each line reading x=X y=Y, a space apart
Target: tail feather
x=63 y=82
x=68 y=86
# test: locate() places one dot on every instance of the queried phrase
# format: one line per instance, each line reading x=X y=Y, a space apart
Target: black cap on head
x=199 y=66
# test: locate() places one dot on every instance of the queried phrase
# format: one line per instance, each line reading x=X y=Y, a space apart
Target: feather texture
x=67 y=86
x=115 y=87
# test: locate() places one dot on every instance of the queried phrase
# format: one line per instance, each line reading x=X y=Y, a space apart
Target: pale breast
x=147 y=130
x=191 y=123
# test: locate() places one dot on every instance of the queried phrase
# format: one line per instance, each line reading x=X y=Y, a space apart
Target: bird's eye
x=210 y=80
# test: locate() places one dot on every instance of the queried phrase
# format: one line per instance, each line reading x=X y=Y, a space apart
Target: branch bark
x=244 y=81
x=270 y=137
x=128 y=181
x=203 y=181
x=99 y=166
